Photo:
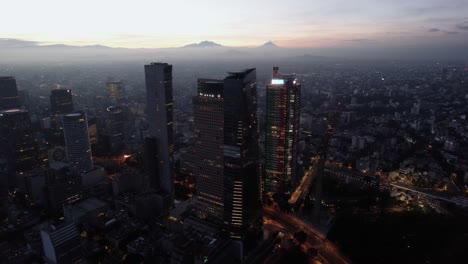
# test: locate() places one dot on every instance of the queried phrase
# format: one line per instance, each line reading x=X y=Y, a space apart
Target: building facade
x=18 y=150
x=115 y=91
x=282 y=132
x=227 y=152
x=62 y=244
x=61 y=101
x=8 y=93
x=75 y=130
x=116 y=129
x=208 y=115
x=159 y=109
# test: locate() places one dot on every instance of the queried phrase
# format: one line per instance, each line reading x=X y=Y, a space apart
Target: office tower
x=115 y=91
x=227 y=153
x=61 y=189
x=61 y=101
x=208 y=115
x=115 y=129
x=75 y=130
x=159 y=109
x=62 y=244
x=151 y=167
x=8 y=93
x=17 y=145
x=93 y=131
x=282 y=132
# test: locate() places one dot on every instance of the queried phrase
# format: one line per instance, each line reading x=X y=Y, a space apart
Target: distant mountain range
x=16 y=43
x=203 y=44
x=20 y=51
x=211 y=44
x=26 y=51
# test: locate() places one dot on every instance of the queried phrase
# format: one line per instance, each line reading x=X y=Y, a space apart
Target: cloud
x=434 y=30
x=463 y=25
x=451 y=32
x=397 y=32
x=360 y=40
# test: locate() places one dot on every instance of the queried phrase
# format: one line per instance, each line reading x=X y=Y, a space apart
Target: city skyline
x=299 y=24
x=240 y=132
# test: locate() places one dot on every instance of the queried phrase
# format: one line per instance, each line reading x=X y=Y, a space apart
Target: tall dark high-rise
x=151 y=167
x=75 y=130
x=159 y=108
x=282 y=132
x=208 y=116
x=61 y=101
x=8 y=93
x=17 y=145
x=226 y=130
x=115 y=128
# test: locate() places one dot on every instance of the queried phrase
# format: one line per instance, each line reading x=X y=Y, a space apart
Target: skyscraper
x=151 y=167
x=115 y=129
x=17 y=146
x=226 y=130
x=115 y=91
x=282 y=131
x=61 y=101
x=159 y=109
x=208 y=115
x=75 y=129
x=8 y=93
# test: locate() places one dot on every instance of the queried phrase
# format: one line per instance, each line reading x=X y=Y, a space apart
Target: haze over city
x=233 y=132
x=385 y=29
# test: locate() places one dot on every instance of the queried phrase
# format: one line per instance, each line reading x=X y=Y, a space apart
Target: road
x=458 y=200
x=390 y=186
x=289 y=224
x=303 y=188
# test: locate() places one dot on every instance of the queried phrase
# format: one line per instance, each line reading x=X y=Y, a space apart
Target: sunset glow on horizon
x=302 y=23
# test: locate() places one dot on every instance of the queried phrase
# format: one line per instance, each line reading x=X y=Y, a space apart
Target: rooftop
x=240 y=74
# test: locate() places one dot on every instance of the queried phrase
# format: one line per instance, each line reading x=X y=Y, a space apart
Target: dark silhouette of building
x=115 y=129
x=8 y=93
x=282 y=132
x=61 y=188
x=208 y=115
x=159 y=107
x=75 y=130
x=227 y=152
x=61 y=101
x=17 y=146
x=151 y=167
